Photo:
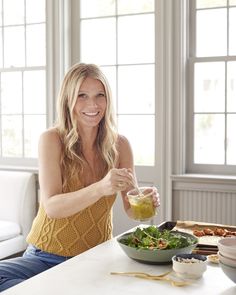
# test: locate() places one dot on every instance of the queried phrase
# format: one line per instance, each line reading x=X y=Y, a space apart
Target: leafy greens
x=151 y=238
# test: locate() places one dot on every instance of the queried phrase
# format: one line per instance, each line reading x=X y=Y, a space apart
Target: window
x=212 y=141
x=119 y=35
x=22 y=79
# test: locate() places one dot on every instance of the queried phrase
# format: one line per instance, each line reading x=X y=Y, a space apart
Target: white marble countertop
x=89 y=273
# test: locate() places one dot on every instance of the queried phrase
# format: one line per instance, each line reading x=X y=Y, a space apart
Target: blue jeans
x=15 y=270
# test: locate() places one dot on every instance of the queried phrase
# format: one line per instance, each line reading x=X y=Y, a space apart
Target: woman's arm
x=126 y=161
x=58 y=204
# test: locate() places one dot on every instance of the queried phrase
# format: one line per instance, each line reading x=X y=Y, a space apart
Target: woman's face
x=91 y=103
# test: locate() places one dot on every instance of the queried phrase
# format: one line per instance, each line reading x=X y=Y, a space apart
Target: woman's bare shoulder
x=51 y=133
x=50 y=139
x=122 y=142
x=125 y=152
x=123 y=145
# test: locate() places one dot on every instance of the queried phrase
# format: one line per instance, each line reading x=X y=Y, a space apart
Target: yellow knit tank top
x=73 y=235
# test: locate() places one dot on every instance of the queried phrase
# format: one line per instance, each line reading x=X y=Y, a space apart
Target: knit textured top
x=73 y=235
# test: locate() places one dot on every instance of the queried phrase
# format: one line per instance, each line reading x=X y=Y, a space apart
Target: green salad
x=152 y=238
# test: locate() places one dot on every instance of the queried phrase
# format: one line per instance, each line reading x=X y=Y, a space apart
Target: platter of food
x=208 y=234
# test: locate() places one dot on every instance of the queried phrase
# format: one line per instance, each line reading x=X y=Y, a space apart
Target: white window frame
x=149 y=174
x=56 y=59
x=192 y=167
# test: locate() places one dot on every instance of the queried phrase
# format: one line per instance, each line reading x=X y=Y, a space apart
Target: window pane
x=12 y=136
x=14 y=47
x=22 y=40
x=211 y=32
x=209 y=87
x=110 y=73
x=1 y=60
x=232 y=26
x=35 y=11
x=13 y=12
x=210 y=3
x=231 y=87
x=35 y=45
x=139 y=47
x=232 y=2
x=32 y=134
x=95 y=8
x=136 y=89
x=34 y=92
x=1 y=14
x=98 y=41
x=135 y=6
x=209 y=139
x=231 y=140
x=142 y=142
x=11 y=92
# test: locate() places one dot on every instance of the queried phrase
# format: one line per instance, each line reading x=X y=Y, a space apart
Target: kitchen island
x=90 y=273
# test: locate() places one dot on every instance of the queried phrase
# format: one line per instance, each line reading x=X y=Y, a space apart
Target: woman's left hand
x=156 y=198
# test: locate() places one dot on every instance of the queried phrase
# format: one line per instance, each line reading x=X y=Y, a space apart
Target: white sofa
x=17 y=210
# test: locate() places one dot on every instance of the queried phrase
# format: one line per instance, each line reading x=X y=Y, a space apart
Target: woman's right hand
x=116 y=180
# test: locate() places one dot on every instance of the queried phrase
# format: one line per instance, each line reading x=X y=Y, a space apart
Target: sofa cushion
x=8 y=230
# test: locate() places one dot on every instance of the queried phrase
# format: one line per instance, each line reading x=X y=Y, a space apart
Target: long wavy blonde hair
x=72 y=158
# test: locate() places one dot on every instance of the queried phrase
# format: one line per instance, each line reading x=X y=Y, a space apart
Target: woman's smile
x=90 y=114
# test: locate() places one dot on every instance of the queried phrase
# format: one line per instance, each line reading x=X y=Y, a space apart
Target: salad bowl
x=152 y=246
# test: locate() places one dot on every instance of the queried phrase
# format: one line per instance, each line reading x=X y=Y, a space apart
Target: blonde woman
x=83 y=163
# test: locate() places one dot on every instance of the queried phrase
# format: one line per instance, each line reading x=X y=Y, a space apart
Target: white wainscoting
x=207 y=200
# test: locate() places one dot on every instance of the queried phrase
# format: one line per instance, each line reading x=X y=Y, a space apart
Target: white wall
x=198 y=198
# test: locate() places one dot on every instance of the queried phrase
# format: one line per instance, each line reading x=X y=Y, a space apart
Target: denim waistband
x=47 y=257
